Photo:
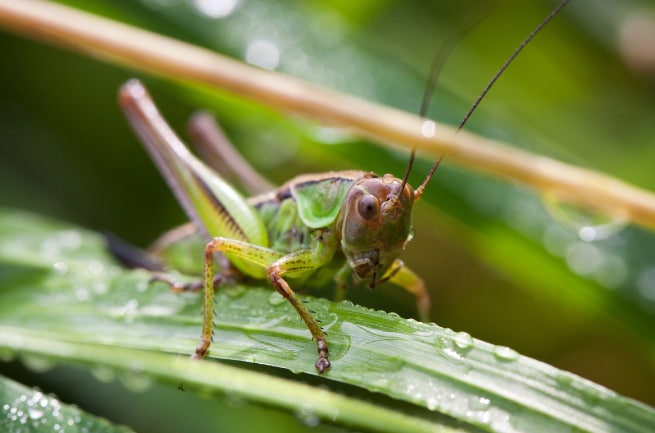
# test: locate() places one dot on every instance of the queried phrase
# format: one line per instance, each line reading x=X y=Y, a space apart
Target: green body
x=348 y=226
x=301 y=209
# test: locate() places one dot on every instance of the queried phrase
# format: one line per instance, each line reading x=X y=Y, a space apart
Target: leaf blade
x=433 y=368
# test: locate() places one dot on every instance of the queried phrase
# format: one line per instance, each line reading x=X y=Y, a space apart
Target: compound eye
x=368 y=207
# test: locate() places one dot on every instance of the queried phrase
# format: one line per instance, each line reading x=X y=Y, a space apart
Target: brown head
x=375 y=224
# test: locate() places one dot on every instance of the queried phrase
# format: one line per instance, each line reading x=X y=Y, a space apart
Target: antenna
x=432 y=80
x=470 y=22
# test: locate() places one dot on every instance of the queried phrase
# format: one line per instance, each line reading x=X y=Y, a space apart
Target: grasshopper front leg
x=277 y=266
x=402 y=276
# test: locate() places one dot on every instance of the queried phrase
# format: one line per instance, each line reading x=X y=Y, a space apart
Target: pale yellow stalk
x=163 y=56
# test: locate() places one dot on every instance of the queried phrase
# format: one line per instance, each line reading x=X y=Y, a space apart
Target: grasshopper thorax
x=375 y=224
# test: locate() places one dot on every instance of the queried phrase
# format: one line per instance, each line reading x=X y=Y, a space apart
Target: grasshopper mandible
x=354 y=224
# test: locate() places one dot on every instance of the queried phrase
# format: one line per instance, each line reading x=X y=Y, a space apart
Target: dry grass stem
x=163 y=56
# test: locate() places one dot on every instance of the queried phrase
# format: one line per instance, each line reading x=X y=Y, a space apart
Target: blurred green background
x=500 y=263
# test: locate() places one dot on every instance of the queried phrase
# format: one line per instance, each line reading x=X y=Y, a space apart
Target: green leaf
x=27 y=410
x=63 y=299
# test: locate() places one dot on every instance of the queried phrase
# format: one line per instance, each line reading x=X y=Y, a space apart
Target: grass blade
x=24 y=409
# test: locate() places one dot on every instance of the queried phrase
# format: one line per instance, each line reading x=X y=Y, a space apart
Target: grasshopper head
x=375 y=224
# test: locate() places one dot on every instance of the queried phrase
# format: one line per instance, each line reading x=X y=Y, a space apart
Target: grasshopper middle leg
x=404 y=277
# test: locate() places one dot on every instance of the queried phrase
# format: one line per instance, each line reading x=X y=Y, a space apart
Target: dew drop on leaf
x=587 y=224
x=463 y=340
x=276 y=299
x=504 y=353
x=428 y=128
x=307 y=416
x=393 y=316
x=36 y=363
x=104 y=374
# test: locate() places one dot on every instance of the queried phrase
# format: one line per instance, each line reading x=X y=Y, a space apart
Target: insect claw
x=322 y=363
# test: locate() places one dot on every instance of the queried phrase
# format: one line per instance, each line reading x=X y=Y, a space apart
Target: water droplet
x=136 y=382
x=480 y=403
x=103 y=373
x=263 y=53
x=307 y=416
x=60 y=267
x=504 y=353
x=95 y=267
x=463 y=340
x=216 y=8
x=135 y=379
x=583 y=258
x=587 y=233
x=70 y=239
x=588 y=225
x=38 y=412
x=428 y=129
x=347 y=303
x=37 y=363
x=447 y=348
x=127 y=311
x=35 y=413
x=393 y=316
x=276 y=299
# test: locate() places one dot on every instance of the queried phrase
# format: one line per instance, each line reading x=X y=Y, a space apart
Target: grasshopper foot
x=323 y=363
x=201 y=350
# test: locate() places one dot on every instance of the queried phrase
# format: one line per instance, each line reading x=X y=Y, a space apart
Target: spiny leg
x=404 y=277
x=294 y=263
x=277 y=265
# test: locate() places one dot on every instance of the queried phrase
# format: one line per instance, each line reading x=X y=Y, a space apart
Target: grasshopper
x=350 y=226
